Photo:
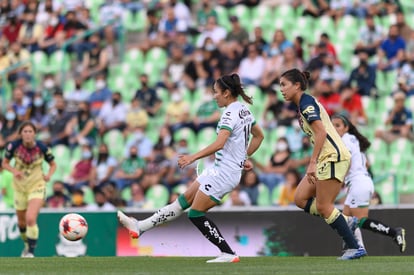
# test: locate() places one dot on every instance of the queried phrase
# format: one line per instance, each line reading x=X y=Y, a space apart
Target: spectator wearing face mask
x=148 y=97
x=78 y=198
x=9 y=126
x=136 y=116
x=272 y=173
x=38 y=114
x=101 y=94
x=82 y=127
x=58 y=122
x=96 y=60
x=112 y=115
x=53 y=36
x=139 y=139
x=81 y=171
x=177 y=114
x=30 y=32
x=101 y=202
x=59 y=199
x=129 y=170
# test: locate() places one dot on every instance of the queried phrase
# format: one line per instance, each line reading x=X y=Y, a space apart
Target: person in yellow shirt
x=177 y=114
x=136 y=116
x=287 y=192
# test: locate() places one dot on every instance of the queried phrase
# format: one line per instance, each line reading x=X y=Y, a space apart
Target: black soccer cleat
x=400 y=238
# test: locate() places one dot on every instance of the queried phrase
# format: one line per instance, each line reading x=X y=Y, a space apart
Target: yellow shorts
x=21 y=198
x=333 y=170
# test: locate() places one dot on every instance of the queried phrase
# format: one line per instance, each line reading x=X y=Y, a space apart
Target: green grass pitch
x=197 y=265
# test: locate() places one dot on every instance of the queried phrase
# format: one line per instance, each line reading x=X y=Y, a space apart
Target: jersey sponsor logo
x=243 y=113
x=228 y=113
x=309 y=110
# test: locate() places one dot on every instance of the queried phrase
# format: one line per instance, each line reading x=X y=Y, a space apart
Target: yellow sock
x=334 y=215
x=32 y=232
x=313 y=210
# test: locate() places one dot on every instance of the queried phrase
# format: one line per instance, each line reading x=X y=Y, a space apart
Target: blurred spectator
x=403 y=28
x=30 y=32
x=76 y=96
x=169 y=26
x=136 y=116
x=182 y=13
x=72 y=28
x=57 y=123
x=153 y=37
x=272 y=173
x=111 y=15
x=315 y=63
x=237 y=197
x=38 y=115
x=112 y=115
x=251 y=67
x=82 y=127
x=197 y=72
x=232 y=3
x=213 y=31
x=112 y=194
x=177 y=113
x=174 y=71
x=391 y=52
x=52 y=38
x=301 y=158
x=229 y=59
x=288 y=189
x=9 y=126
x=11 y=29
x=139 y=139
x=249 y=183
x=103 y=166
x=276 y=112
x=84 y=17
x=101 y=203
x=370 y=37
x=183 y=42
x=5 y=10
x=19 y=55
x=208 y=113
x=4 y=59
x=59 y=199
x=278 y=44
x=298 y=48
x=81 y=172
x=137 y=196
x=46 y=10
x=101 y=94
x=352 y=103
x=95 y=61
x=258 y=39
x=332 y=76
x=330 y=47
x=6 y=187
x=165 y=138
x=156 y=168
x=363 y=77
x=406 y=77
x=129 y=170
x=315 y=8
x=148 y=97
x=237 y=34
x=49 y=86
x=294 y=135
x=409 y=50
x=78 y=198
x=330 y=99
x=21 y=104
x=206 y=10
x=176 y=175
x=399 y=122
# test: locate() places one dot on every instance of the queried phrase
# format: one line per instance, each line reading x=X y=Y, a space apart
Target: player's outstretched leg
x=24 y=238
x=166 y=214
x=212 y=233
x=397 y=234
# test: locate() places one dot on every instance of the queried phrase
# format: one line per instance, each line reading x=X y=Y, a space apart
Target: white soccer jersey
x=238 y=119
x=358 y=159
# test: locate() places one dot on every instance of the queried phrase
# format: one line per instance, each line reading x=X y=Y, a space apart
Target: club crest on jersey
x=244 y=113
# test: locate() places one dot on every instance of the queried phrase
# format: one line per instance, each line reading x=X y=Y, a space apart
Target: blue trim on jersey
x=332 y=170
x=328 y=137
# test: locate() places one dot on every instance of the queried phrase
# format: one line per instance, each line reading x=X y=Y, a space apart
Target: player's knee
x=31 y=221
x=323 y=209
x=300 y=201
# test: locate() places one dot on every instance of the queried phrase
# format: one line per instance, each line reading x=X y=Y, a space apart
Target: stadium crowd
x=119 y=88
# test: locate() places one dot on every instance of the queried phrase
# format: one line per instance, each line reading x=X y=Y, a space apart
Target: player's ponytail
x=364 y=143
x=233 y=84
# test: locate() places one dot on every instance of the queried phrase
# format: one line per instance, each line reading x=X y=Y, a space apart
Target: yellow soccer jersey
x=310 y=110
x=29 y=161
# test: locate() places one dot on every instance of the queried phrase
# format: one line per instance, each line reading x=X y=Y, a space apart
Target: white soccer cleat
x=225 y=258
x=352 y=254
x=27 y=255
x=129 y=223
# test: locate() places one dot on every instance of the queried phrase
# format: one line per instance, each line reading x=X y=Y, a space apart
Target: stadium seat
x=59 y=62
x=135 y=58
x=264 y=195
x=115 y=141
x=205 y=137
x=189 y=135
x=243 y=13
x=40 y=62
x=179 y=189
x=134 y=22
x=157 y=196
x=126 y=194
x=222 y=17
x=276 y=193
x=157 y=57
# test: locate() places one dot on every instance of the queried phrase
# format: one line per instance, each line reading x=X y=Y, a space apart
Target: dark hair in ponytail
x=233 y=84
x=364 y=143
x=295 y=75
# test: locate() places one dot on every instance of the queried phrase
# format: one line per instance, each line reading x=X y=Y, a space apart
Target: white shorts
x=360 y=190
x=216 y=182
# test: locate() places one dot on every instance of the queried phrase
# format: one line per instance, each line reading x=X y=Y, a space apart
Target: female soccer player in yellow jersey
x=29 y=181
x=329 y=162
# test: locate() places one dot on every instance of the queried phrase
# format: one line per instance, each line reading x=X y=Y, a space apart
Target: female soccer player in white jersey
x=360 y=185
x=231 y=149
x=329 y=162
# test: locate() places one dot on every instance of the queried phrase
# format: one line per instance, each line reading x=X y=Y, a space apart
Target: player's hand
x=184 y=160
x=18 y=174
x=311 y=173
x=248 y=165
x=46 y=178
